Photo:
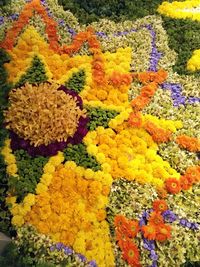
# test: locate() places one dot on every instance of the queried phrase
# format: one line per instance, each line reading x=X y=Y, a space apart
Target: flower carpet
x=99 y=138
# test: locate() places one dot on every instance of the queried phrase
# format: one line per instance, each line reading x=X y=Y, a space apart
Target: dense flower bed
x=100 y=140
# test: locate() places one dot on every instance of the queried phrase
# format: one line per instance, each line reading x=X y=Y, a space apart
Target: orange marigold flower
x=173 y=185
x=149 y=231
x=132 y=228
x=149 y=90
x=185 y=182
x=190 y=143
x=131 y=253
x=193 y=174
x=156 y=218
x=139 y=103
x=135 y=119
x=163 y=232
x=160 y=205
x=119 y=221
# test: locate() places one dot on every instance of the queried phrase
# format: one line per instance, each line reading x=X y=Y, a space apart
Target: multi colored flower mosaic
x=101 y=146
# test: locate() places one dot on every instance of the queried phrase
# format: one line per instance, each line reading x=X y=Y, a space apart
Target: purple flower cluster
x=187 y=224
x=144 y=217
x=176 y=94
x=52 y=149
x=150 y=246
x=155 y=55
x=169 y=216
x=68 y=251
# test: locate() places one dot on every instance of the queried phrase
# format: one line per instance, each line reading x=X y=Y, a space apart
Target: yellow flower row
x=193 y=63
x=162 y=123
x=181 y=10
x=9 y=159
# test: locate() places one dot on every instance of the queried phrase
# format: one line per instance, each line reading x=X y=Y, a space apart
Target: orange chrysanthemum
x=156 y=218
x=131 y=253
x=119 y=221
x=149 y=231
x=190 y=143
x=163 y=232
x=185 y=182
x=173 y=185
x=159 y=135
x=135 y=119
x=149 y=90
x=193 y=174
x=121 y=239
x=132 y=228
x=160 y=205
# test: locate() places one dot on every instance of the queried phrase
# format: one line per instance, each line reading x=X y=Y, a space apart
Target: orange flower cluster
x=156 y=229
x=159 y=135
x=147 y=77
x=23 y=19
x=191 y=176
x=118 y=79
x=135 y=119
x=78 y=41
x=190 y=143
x=151 y=80
x=125 y=231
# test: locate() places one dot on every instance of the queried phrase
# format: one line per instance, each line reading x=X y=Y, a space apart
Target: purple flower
x=169 y=216
x=68 y=251
x=154 y=264
x=153 y=255
x=183 y=222
x=81 y=257
x=59 y=246
x=1 y=20
x=52 y=248
x=92 y=264
x=194 y=226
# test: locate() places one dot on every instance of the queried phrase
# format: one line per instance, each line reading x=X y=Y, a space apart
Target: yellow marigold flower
x=11 y=200
x=49 y=168
x=92 y=149
x=29 y=199
x=57 y=160
x=10 y=159
x=41 y=188
x=70 y=164
x=18 y=220
x=12 y=169
x=26 y=208
x=100 y=157
x=88 y=174
x=106 y=167
x=46 y=178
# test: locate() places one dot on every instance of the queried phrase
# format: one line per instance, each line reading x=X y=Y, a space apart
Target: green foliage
x=117 y=10
x=99 y=117
x=4 y=2
x=79 y=154
x=191 y=264
x=76 y=82
x=35 y=74
x=184 y=38
x=5 y=216
x=12 y=257
x=29 y=170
